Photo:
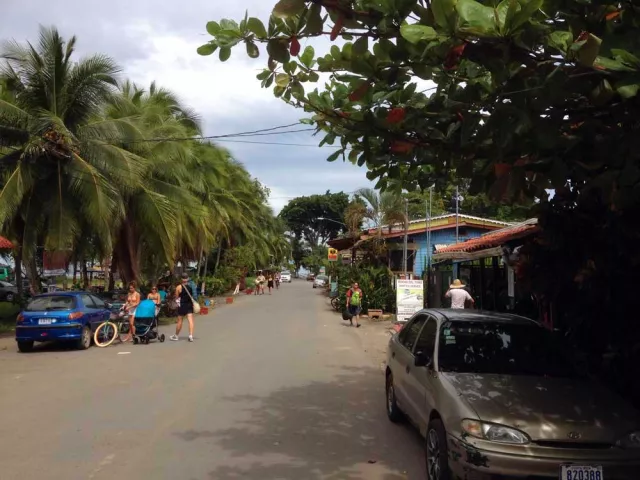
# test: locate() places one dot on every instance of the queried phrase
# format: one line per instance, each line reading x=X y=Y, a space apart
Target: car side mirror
x=422 y=359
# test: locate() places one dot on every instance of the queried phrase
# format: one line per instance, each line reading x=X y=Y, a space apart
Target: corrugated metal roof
x=492 y=239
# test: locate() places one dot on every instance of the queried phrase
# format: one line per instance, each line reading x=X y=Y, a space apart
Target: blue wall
x=445 y=236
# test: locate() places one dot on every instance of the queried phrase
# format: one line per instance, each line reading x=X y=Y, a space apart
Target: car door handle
x=408 y=369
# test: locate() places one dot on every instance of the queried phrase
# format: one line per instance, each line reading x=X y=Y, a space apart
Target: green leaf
x=252 y=50
x=444 y=13
x=256 y=26
x=315 y=23
x=476 y=19
x=213 y=28
x=626 y=57
x=288 y=8
x=560 y=40
x=334 y=156
x=308 y=56
x=588 y=52
x=225 y=53
x=278 y=91
x=263 y=75
x=277 y=49
x=605 y=63
x=230 y=25
x=207 y=49
x=627 y=90
x=313 y=77
x=416 y=33
x=524 y=13
x=297 y=90
x=282 y=79
x=361 y=46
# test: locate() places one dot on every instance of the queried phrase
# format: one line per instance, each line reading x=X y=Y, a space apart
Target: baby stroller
x=147 y=323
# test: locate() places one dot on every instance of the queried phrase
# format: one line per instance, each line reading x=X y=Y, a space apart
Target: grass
x=8 y=313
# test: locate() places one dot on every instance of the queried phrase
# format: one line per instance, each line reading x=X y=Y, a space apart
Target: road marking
x=124 y=353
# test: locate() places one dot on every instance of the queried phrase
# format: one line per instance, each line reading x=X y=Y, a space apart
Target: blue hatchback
x=60 y=316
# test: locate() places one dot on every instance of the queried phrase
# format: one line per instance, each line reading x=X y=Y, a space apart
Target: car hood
x=551 y=409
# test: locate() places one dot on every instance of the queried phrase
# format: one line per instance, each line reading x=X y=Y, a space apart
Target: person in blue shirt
x=163 y=295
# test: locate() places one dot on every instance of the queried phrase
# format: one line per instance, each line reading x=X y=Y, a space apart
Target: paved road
x=273 y=388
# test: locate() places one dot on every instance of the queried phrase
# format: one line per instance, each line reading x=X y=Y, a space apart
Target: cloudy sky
x=157 y=40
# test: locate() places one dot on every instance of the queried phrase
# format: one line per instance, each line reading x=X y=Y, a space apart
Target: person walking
x=156 y=298
x=270 y=281
x=185 y=307
x=354 y=303
x=458 y=295
x=133 y=300
x=260 y=281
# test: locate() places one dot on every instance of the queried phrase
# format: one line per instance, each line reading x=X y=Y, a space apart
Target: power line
x=278 y=143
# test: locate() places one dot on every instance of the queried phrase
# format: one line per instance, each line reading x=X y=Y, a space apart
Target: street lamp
x=325 y=219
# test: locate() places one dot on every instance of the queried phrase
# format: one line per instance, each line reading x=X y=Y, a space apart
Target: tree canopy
x=527 y=95
x=316 y=218
x=95 y=165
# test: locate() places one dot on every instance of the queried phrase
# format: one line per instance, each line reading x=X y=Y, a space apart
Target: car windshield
x=52 y=302
x=502 y=348
x=286 y=272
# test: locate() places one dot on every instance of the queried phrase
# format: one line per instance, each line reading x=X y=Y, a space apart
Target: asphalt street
x=274 y=387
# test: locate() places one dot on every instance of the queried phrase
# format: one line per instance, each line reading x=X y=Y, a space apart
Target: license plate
x=45 y=321
x=581 y=472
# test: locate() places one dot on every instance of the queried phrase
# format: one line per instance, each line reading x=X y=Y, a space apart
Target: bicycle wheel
x=105 y=334
x=335 y=303
x=124 y=330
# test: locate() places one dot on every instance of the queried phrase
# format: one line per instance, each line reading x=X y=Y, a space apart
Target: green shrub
x=376 y=284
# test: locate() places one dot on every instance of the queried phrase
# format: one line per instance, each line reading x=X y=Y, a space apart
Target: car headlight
x=632 y=440
x=494 y=432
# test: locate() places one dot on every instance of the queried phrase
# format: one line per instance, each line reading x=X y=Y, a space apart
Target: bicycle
x=335 y=303
x=116 y=327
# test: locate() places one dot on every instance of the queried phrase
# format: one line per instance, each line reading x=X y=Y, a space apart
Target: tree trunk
x=75 y=269
x=218 y=257
x=32 y=273
x=127 y=253
x=113 y=268
x=85 y=274
x=17 y=258
x=206 y=265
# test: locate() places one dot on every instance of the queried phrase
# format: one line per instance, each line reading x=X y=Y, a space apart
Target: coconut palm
x=382 y=209
x=52 y=167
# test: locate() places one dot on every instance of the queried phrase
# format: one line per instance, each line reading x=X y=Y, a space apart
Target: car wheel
x=9 y=297
x=25 y=346
x=393 y=411
x=436 y=452
x=85 y=340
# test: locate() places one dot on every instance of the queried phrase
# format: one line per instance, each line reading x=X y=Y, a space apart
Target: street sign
x=333 y=255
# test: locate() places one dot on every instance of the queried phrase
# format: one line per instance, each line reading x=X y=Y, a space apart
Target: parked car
x=8 y=291
x=285 y=276
x=60 y=316
x=496 y=396
x=320 y=281
x=310 y=277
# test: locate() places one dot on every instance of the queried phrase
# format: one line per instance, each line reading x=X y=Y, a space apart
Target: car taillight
x=20 y=318
x=75 y=315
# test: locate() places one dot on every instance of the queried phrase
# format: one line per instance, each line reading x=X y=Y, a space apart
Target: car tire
x=436 y=452
x=393 y=411
x=25 y=346
x=85 y=339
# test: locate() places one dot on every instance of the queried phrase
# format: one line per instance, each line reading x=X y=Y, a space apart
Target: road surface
x=274 y=387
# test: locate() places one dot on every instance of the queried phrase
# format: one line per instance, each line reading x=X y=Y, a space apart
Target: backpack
x=355 y=298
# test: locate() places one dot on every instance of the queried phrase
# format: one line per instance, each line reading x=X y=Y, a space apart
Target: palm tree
x=383 y=209
x=53 y=171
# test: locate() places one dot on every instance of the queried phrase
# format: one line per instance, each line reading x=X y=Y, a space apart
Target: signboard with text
x=333 y=255
x=409 y=298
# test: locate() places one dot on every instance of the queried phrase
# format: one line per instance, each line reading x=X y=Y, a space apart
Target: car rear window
x=52 y=302
x=502 y=348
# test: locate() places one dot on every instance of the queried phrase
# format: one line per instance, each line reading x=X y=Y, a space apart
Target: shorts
x=355 y=310
x=270 y=284
x=185 y=309
x=132 y=312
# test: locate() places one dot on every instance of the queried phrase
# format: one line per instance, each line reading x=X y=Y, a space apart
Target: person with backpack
x=354 y=303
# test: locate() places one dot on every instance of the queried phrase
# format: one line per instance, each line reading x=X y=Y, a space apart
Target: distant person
x=270 y=281
x=458 y=295
x=133 y=300
x=163 y=294
x=278 y=280
x=354 y=303
x=155 y=297
x=185 y=300
x=260 y=281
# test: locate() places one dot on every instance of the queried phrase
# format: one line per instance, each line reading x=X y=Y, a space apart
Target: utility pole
x=457 y=208
x=406 y=239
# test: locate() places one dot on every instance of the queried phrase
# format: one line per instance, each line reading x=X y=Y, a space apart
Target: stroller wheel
x=161 y=338
x=135 y=340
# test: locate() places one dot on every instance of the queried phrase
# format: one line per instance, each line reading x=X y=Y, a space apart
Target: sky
x=157 y=40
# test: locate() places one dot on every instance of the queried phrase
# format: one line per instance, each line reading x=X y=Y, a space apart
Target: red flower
x=396 y=115
x=359 y=92
x=294 y=46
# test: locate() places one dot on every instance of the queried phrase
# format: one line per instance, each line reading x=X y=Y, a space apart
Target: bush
x=376 y=284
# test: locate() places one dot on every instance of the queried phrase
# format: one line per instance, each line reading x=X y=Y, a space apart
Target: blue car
x=60 y=316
